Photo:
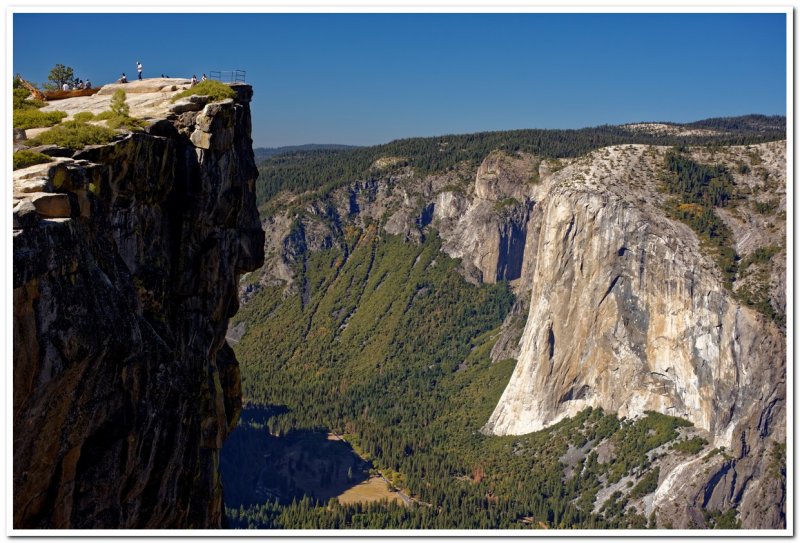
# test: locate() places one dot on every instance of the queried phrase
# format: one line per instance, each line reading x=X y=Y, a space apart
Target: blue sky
x=371 y=78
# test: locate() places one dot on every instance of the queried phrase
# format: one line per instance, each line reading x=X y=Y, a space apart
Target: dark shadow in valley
x=257 y=466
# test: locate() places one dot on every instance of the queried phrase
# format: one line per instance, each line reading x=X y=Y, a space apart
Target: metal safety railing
x=228 y=76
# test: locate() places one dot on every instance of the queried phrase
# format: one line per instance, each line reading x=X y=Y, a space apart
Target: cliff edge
x=127 y=258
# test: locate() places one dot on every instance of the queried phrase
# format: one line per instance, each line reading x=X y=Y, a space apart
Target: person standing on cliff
x=139 y=69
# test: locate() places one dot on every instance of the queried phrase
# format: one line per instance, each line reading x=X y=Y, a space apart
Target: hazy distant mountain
x=265 y=152
x=744 y=123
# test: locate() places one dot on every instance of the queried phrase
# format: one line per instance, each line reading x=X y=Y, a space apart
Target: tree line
x=325 y=169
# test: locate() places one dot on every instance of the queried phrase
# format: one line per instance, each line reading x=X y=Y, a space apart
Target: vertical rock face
x=490 y=233
x=625 y=317
x=124 y=385
x=629 y=313
x=490 y=237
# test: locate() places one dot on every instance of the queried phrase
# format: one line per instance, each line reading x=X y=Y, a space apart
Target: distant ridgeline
x=266 y=152
x=326 y=167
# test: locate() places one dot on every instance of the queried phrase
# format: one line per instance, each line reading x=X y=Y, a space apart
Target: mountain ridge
x=261 y=153
x=328 y=169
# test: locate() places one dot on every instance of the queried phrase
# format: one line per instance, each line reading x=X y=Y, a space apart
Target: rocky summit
x=127 y=257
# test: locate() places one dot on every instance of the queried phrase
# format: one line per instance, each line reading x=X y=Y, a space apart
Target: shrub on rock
x=25 y=158
x=75 y=135
x=216 y=90
x=33 y=118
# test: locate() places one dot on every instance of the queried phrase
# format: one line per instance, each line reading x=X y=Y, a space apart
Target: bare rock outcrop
x=501 y=176
x=488 y=231
x=483 y=222
x=126 y=265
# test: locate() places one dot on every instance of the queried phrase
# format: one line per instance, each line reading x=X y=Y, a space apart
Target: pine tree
x=59 y=75
x=119 y=106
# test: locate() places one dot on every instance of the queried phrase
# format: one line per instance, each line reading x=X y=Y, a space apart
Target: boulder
x=25 y=215
x=190 y=103
x=201 y=139
x=33 y=184
x=52 y=205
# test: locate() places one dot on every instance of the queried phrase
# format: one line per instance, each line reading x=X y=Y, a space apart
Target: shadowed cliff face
x=124 y=385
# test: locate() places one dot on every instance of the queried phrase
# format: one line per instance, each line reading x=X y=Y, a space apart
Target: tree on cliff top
x=120 y=114
x=119 y=105
x=59 y=75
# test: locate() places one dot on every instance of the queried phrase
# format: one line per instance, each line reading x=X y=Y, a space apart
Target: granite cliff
x=620 y=305
x=127 y=258
x=629 y=313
